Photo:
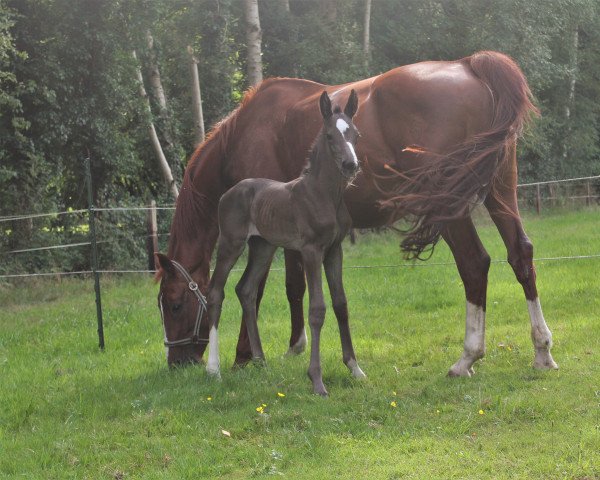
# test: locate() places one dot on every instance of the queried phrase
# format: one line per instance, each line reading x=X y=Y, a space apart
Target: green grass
x=68 y=410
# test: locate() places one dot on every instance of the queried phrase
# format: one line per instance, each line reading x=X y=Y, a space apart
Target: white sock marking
x=475 y=330
x=213 y=366
x=540 y=333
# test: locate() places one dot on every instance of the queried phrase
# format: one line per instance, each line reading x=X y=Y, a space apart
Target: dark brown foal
x=307 y=215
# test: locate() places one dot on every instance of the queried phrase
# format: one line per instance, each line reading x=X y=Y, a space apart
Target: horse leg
x=295 y=285
x=243 y=351
x=313 y=259
x=333 y=272
x=520 y=257
x=260 y=255
x=473 y=264
x=227 y=254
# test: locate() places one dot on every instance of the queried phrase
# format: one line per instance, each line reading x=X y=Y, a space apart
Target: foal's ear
x=165 y=263
x=352 y=105
x=325 y=105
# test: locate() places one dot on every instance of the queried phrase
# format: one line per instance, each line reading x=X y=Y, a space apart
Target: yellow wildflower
x=481 y=412
x=280 y=395
x=393 y=404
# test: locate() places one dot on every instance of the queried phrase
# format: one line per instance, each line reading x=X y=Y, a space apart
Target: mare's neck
x=194 y=230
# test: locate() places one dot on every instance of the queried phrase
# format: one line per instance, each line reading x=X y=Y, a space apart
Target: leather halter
x=202 y=308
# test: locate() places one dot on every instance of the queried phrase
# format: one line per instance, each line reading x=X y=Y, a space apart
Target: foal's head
x=340 y=134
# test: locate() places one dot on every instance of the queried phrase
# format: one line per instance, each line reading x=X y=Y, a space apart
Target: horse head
x=183 y=313
x=341 y=134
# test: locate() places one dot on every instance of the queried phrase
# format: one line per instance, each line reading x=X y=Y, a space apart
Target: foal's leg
x=473 y=264
x=520 y=257
x=227 y=254
x=243 y=351
x=260 y=255
x=333 y=271
x=295 y=286
x=313 y=259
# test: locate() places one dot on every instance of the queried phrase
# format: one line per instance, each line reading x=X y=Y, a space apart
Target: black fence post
x=92 y=223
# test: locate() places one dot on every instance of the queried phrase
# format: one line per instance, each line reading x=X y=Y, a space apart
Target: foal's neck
x=323 y=174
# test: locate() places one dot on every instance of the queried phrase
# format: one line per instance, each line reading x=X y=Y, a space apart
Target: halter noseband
x=202 y=308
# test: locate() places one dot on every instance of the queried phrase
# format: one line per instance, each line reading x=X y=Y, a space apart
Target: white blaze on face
x=343 y=126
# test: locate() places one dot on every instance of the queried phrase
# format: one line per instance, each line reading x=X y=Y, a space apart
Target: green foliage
x=71 y=411
x=68 y=85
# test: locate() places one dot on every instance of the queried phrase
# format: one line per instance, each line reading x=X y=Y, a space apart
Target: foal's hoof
x=355 y=369
x=298 y=347
x=321 y=390
x=460 y=371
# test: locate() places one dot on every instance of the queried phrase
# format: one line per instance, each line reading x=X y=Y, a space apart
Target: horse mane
x=446 y=187
x=196 y=207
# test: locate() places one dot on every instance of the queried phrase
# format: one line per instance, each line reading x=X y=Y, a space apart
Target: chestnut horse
x=437 y=138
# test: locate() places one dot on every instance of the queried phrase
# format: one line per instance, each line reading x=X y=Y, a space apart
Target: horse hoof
x=214 y=373
x=355 y=369
x=460 y=371
x=298 y=347
x=544 y=362
x=321 y=391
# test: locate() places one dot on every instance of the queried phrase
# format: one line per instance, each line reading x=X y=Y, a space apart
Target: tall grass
x=71 y=411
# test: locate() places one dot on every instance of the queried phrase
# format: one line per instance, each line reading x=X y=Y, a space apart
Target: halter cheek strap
x=202 y=309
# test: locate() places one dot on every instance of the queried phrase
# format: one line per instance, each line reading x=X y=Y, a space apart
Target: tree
x=253 y=42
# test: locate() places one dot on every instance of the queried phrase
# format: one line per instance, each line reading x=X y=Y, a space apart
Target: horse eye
x=329 y=136
x=176 y=307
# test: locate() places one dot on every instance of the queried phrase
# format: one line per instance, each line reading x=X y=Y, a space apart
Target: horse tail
x=448 y=186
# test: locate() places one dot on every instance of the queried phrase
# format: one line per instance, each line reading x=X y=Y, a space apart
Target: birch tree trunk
x=165 y=169
x=367 y=35
x=196 y=99
x=573 y=67
x=253 y=41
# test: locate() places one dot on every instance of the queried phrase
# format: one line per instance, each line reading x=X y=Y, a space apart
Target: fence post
x=588 y=199
x=92 y=223
x=538 y=200
x=152 y=240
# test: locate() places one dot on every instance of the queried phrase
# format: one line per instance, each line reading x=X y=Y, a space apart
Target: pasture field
x=68 y=410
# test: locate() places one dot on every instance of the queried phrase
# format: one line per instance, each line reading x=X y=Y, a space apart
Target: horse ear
x=165 y=263
x=325 y=105
x=352 y=105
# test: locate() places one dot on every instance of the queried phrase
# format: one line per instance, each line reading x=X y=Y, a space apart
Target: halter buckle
x=193 y=286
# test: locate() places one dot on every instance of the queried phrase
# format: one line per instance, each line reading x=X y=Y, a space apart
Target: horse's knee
x=316 y=315
x=246 y=294
x=521 y=260
x=215 y=296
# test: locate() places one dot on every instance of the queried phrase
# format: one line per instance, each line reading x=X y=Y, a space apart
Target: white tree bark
x=165 y=169
x=196 y=99
x=573 y=67
x=158 y=92
x=253 y=41
x=367 y=34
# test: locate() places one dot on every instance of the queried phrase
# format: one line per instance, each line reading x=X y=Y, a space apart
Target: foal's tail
x=447 y=186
